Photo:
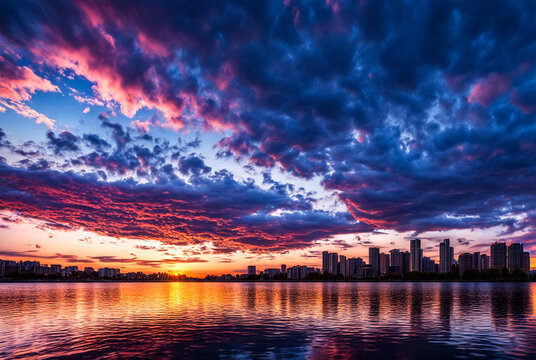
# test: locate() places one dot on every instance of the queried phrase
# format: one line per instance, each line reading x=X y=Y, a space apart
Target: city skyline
x=190 y=141
x=379 y=264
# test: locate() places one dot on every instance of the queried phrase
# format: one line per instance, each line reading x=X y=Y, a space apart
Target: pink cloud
x=86 y=110
x=89 y=101
x=489 y=89
x=150 y=46
x=103 y=60
x=110 y=86
x=141 y=126
x=26 y=111
x=19 y=83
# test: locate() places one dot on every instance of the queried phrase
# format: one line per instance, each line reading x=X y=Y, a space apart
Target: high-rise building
x=72 y=271
x=252 y=270
x=476 y=261
x=396 y=257
x=271 y=272
x=354 y=266
x=484 y=262
x=384 y=264
x=283 y=268
x=294 y=273
x=465 y=262
x=446 y=256
x=406 y=262
x=333 y=263
x=325 y=261
x=343 y=266
x=416 y=254
x=107 y=272
x=374 y=260
x=515 y=256
x=397 y=262
x=498 y=255
x=428 y=265
x=526 y=262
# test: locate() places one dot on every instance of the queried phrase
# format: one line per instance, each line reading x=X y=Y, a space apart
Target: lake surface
x=267 y=320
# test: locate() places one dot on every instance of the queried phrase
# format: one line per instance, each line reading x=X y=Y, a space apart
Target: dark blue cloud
x=121 y=136
x=65 y=141
x=420 y=115
x=192 y=164
x=96 y=141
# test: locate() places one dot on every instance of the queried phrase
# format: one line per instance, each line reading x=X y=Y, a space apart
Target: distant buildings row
x=292 y=273
x=397 y=262
x=8 y=267
x=12 y=269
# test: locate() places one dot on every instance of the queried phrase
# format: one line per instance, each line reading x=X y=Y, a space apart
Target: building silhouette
x=498 y=255
x=343 y=266
x=476 y=265
x=406 y=262
x=446 y=256
x=484 y=262
x=384 y=264
x=325 y=261
x=333 y=263
x=416 y=254
x=374 y=261
x=515 y=256
x=270 y=273
x=465 y=262
x=397 y=262
x=300 y=272
x=355 y=266
x=428 y=265
x=252 y=270
x=108 y=273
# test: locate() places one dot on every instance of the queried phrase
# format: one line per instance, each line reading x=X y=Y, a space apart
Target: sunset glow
x=225 y=134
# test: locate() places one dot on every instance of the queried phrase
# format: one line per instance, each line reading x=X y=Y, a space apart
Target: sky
x=202 y=137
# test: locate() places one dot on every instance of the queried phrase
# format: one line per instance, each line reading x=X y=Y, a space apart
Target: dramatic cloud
x=65 y=141
x=24 y=110
x=20 y=82
x=216 y=209
x=419 y=115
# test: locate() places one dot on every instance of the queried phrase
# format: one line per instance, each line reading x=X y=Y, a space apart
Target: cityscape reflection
x=267 y=320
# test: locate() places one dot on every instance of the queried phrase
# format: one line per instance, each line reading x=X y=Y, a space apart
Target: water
x=267 y=320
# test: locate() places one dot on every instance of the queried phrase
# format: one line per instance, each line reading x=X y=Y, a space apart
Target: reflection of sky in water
x=300 y=320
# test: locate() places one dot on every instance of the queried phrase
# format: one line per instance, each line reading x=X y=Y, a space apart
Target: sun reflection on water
x=299 y=320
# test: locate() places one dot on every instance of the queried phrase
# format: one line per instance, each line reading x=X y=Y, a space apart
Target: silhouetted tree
x=490 y=274
x=471 y=275
x=280 y=277
x=518 y=274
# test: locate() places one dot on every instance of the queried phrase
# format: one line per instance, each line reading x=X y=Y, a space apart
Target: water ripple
x=267 y=320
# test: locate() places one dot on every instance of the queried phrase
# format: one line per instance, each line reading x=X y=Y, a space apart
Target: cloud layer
x=219 y=210
x=420 y=116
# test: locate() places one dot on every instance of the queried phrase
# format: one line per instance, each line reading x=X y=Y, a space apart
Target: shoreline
x=4 y=281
